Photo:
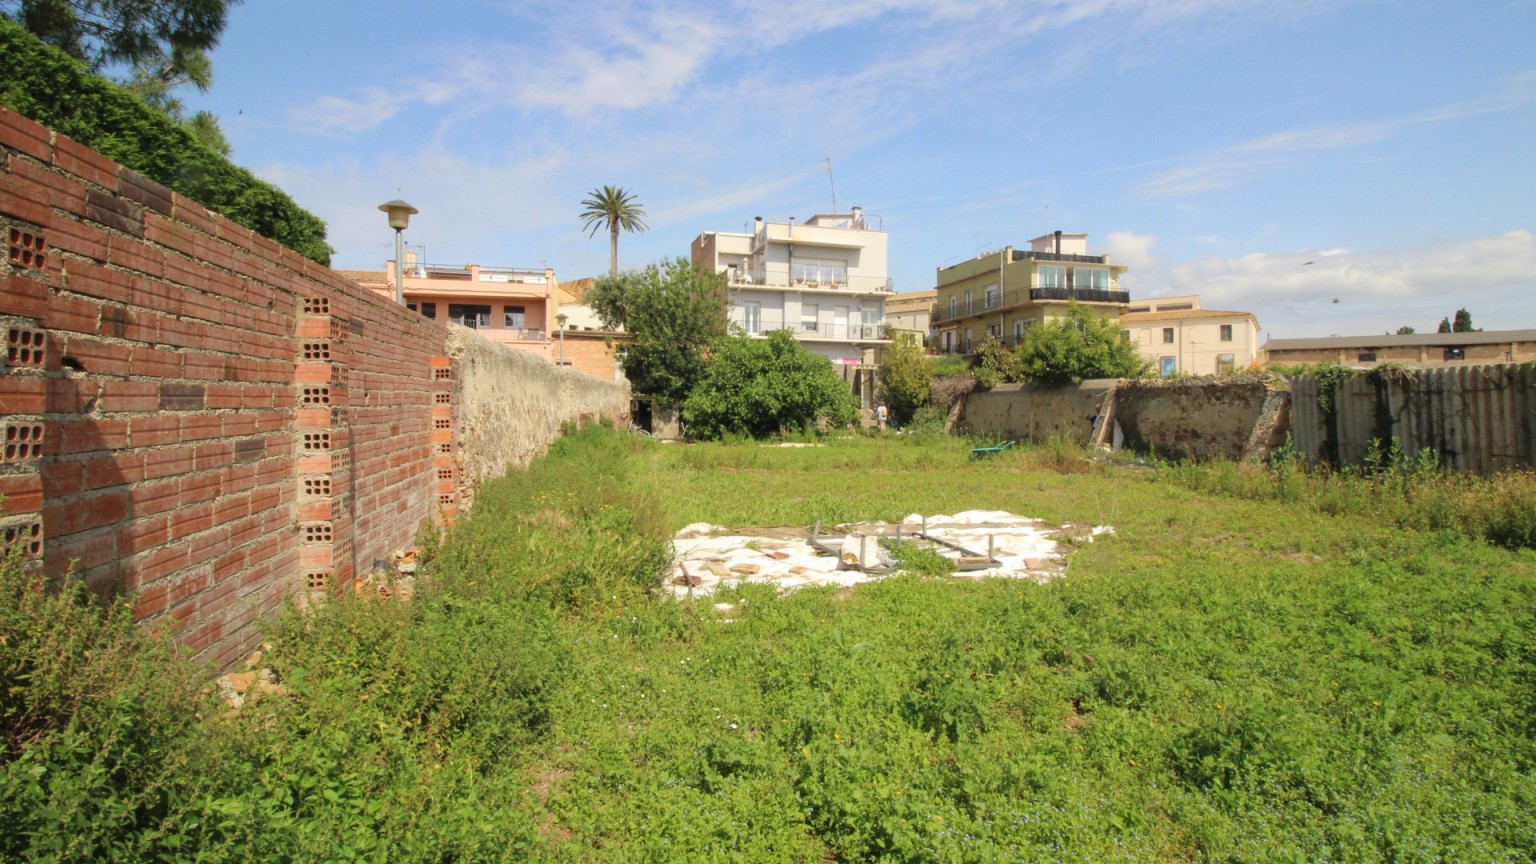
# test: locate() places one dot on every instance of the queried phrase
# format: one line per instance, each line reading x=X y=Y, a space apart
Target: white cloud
x=1376 y=290
x=1230 y=166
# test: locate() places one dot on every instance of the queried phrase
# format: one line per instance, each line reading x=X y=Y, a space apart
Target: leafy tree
x=1405 y=330
x=105 y=32
x=155 y=77
x=760 y=387
x=612 y=207
x=1072 y=349
x=675 y=313
x=995 y=364
x=1445 y=326
x=1463 y=322
x=905 y=374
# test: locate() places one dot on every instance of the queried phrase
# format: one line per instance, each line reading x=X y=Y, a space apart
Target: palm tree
x=612 y=207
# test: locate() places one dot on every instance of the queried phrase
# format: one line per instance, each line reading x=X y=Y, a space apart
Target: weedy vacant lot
x=1259 y=666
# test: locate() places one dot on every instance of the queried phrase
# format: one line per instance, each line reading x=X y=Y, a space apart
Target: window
x=429 y=310
x=1224 y=364
x=1090 y=278
x=1226 y=332
x=1051 y=276
x=1366 y=357
x=995 y=331
x=1125 y=336
x=1018 y=328
x=992 y=298
x=816 y=271
x=949 y=339
x=951 y=305
x=808 y=313
x=1455 y=353
x=1167 y=335
x=967 y=302
x=470 y=315
x=513 y=316
x=1167 y=365
x=752 y=318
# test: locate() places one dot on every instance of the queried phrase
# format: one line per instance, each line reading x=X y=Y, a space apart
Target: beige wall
x=1197 y=346
x=1410 y=355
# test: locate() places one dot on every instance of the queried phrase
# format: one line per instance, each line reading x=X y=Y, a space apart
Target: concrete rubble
x=707 y=556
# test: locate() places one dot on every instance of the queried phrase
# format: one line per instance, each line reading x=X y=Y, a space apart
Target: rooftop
x=1476 y=337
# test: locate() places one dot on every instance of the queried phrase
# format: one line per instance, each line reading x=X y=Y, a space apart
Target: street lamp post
x=399 y=217
x=560 y=321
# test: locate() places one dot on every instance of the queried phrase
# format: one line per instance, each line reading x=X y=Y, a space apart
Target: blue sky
x=1214 y=146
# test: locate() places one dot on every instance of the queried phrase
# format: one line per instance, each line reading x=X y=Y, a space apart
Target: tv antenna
x=828 y=162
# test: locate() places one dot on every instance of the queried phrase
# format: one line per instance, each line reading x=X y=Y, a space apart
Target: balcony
x=1080 y=295
x=806 y=331
x=833 y=283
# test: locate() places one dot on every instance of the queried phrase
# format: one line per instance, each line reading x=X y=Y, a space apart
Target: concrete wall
x=1021 y=412
x=207 y=420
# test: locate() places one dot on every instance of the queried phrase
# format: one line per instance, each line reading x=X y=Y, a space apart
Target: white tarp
x=704 y=555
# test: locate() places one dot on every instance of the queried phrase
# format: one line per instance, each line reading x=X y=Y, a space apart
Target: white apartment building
x=824 y=279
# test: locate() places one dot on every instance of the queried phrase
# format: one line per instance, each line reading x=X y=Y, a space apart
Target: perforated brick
x=318 y=580
x=444 y=447
x=317 y=351
x=442 y=424
x=317 y=306
x=445 y=499
x=445 y=473
x=442 y=374
x=28 y=535
x=317 y=441
x=442 y=398
x=26 y=347
x=317 y=532
x=27 y=249
x=317 y=486
x=315 y=396
x=23 y=442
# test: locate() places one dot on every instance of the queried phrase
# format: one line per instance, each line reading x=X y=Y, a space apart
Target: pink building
x=508 y=305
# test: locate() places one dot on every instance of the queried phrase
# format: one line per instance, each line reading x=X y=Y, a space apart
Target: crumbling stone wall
x=1187 y=418
x=1201 y=418
x=509 y=405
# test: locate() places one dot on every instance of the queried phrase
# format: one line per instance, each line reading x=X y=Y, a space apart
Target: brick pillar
x=324 y=463
x=23 y=383
x=444 y=463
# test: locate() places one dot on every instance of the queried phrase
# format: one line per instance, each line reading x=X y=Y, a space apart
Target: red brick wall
x=193 y=413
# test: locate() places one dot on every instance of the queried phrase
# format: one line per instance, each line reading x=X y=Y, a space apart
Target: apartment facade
x=1179 y=337
x=911 y=313
x=1409 y=349
x=508 y=305
x=1003 y=293
x=825 y=280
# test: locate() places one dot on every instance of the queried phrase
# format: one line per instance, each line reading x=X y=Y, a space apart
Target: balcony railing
x=1020 y=296
x=804 y=330
x=851 y=284
x=1081 y=295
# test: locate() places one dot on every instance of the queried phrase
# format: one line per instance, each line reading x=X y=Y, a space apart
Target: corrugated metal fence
x=1476 y=418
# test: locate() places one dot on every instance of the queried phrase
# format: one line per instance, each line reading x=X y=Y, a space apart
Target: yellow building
x=1005 y=292
x=1177 y=336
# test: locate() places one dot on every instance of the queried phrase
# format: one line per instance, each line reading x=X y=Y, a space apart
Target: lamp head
x=399 y=213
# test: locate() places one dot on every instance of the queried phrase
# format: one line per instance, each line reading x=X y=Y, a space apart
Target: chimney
x=1058 y=242
x=757 y=224
x=858 y=217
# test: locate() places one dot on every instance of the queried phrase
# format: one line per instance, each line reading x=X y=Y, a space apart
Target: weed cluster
x=1232 y=678
x=1404 y=491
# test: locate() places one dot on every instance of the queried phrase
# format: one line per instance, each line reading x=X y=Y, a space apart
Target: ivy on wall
x=47 y=85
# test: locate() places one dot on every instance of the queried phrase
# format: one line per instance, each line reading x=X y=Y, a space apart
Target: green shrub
x=98 y=722
x=762 y=387
x=52 y=88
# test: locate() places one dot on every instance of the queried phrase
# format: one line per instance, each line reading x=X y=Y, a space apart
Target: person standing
x=880 y=416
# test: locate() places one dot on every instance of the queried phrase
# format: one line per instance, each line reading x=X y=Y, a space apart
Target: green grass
x=1229 y=678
